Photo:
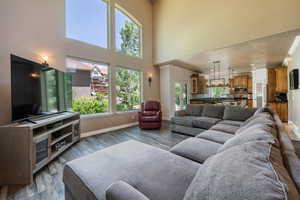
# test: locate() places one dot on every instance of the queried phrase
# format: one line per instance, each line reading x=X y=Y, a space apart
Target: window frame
x=136 y=21
x=140 y=71
x=108 y=33
x=109 y=71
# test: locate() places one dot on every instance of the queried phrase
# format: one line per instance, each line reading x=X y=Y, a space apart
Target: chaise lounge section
x=258 y=161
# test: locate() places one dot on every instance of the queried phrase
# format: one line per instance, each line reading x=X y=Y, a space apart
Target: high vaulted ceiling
x=264 y=52
x=185 y=29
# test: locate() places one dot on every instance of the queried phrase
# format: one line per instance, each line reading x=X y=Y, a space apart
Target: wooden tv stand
x=26 y=147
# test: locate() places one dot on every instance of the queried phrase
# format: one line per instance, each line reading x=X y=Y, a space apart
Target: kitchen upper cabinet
x=240 y=82
x=231 y=83
x=195 y=83
x=250 y=85
x=271 y=84
x=199 y=84
x=281 y=79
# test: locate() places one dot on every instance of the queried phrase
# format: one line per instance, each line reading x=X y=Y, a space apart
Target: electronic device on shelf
x=31 y=86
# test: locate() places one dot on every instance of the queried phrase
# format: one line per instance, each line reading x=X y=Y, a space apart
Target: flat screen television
x=34 y=89
x=294 y=79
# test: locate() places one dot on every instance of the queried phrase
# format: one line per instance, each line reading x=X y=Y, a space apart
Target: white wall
x=34 y=28
x=169 y=75
x=294 y=95
x=185 y=28
x=260 y=76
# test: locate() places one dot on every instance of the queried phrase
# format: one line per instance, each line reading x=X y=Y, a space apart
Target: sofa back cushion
x=194 y=109
x=237 y=113
x=262 y=118
x=250 y=171
x=213 y=111
x=151 y=106
x=256 y=132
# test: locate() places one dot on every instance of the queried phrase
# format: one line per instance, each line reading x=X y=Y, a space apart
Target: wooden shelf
x=60 y=138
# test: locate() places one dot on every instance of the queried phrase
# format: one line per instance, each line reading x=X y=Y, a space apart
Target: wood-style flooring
x=48 y=183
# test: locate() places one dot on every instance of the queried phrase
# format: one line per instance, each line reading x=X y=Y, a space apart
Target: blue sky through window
x=86 y=21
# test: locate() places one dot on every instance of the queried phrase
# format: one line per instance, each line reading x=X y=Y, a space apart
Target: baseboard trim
x=295 y=128
x=105 y=130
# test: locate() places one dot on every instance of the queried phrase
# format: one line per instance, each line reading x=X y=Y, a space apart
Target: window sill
x=96 y=115
x=127 y=112
x=99 y=115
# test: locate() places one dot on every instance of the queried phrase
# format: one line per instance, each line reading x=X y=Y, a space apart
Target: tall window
x=86 y=21
x=128 y=35
x=128 y=88
x=90 y=86
x=181 y=96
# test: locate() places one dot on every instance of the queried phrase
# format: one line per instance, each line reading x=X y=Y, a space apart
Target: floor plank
x=48 y=183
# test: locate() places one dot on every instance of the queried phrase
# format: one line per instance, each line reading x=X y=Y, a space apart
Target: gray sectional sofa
x=197 y=118
x=257 y=162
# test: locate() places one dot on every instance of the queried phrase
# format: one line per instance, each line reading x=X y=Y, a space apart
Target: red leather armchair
x=150 y=116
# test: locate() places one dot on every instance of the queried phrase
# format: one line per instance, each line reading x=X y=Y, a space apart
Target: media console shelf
x=26 y=147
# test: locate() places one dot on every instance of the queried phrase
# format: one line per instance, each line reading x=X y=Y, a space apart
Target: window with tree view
x=128 y=89
x=128 y=35
x=90 y=86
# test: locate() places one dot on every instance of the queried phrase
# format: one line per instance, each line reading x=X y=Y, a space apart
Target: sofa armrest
x=180 y=113
x=123 y=191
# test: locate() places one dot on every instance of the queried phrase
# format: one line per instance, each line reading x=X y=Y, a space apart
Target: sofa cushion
x=123 y=191
x=196 y=149
x=225 y=128
x=154 y=118
x=149 y=113
x=230 y=122
x=191 y=131
x=215 y=136
x=256 y=132
x=256 y=117
x=194 y=109
x=183 y=121
x=205 y=122
x=151 y=106
x=237 y=113
x=292 y=163
x=213 y=111
x=251 y=171
x=265 y=110
x=156 y=173
x=261 y=119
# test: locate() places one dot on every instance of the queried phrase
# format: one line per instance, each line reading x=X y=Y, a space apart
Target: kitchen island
x=222 y=100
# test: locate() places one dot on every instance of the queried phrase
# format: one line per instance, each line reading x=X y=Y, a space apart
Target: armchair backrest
x=151 y=106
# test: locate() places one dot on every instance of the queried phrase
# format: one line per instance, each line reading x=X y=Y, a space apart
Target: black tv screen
x=34 y=89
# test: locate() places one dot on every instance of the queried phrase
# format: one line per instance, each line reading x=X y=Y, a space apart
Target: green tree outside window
x=128 y=88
